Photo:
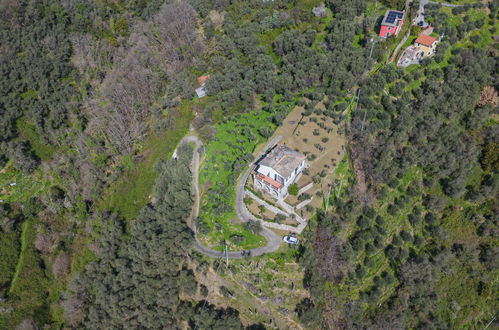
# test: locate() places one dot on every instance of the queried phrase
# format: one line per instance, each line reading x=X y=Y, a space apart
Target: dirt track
x=273 y=240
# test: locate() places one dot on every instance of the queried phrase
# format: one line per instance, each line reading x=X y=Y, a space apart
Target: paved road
x=422 y=3
x=443 y=4
x=397 y=49
x=273 y=240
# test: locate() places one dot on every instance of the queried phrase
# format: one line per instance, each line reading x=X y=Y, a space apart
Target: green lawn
x=226 y=157
x=18 y=187
x=29 y=131
x=235 y=137
x=30 y=286
x=9 y=254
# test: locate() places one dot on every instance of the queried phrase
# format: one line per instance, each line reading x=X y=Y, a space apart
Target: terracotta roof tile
x=270 y=181
x=425 y=40
x=202 y=80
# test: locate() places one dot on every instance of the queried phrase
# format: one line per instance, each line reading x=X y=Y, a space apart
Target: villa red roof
x=270 y=181
x=202 y=80
x=425 y=40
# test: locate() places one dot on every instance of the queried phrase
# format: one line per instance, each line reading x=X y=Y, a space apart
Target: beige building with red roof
x=424 y=46
x=427 y=45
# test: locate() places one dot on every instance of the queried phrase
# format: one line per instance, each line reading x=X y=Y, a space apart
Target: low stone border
x=307 y=187
x=269 y=207
x=302 y=204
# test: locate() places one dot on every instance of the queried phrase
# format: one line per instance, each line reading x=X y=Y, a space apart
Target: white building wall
x=270 y=172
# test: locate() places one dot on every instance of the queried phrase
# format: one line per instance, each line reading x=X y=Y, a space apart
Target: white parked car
x=290 y=240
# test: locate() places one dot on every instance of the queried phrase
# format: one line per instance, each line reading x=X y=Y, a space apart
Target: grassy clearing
x=132 y=191
x=30 y=286
x=29 y=131
x=343 y=173
x=20 y=261
x=17 y=187
x=235 y=138
x=9 y=254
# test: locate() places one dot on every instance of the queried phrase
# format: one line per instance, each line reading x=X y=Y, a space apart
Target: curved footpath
x=273 y=240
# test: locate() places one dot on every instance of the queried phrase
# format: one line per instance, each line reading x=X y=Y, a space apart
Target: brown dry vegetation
x=260 y=290
x=489 y=96
x=161 y=47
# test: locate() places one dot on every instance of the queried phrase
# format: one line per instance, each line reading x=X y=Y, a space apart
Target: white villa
x=278 y=170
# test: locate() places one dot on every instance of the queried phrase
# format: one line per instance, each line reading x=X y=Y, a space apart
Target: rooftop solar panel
x=392 y=16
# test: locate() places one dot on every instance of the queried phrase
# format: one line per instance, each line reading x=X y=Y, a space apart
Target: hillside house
x=278 y=170
x=424 y=46
x=427 y=45
x=392 y=23
x=201 y=91
x=320 y=10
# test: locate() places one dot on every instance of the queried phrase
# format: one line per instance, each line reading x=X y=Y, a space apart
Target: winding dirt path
x=273 y=240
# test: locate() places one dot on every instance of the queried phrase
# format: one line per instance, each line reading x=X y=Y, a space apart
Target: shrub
x=253 y=226
x=226 y=292
x=378 y=242
x=279 y=217
x=396 y=241
x=311 y=157
x=363 y=222
x=381 y=230
x=368 y=262
x=203 y=290
x=430 y=218
x=379 y=220
x=304 y=197
x=370 y=248
x=360 y=271
x=405 y=236
x=237 y=239
x=61 y=264
x=202 y=227
x=293 y=189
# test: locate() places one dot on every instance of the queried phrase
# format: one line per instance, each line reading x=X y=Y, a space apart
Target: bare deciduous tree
x=62 y=264
x=156 y=49
x=489 y=96
x=45 y=242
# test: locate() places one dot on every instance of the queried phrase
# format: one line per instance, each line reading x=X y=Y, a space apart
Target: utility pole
x=372 y=46
x=489 y=323
x=328 y=196
x=358 y=96
x=364 y=120
x=339 y=190
x=226 y=255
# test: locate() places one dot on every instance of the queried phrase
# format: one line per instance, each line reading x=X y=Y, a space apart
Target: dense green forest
x=95 y=97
